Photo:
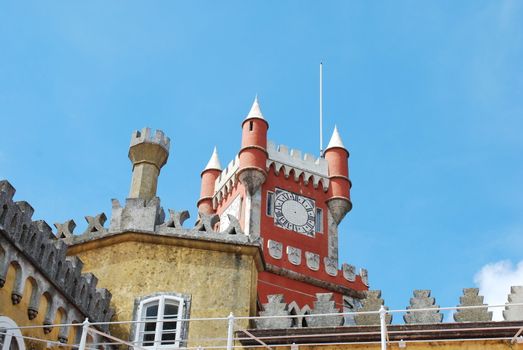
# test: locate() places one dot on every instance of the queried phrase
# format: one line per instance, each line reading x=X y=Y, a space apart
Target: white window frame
x=269 y=210
x=319 y=213
x=161 y=300
x=12 y=333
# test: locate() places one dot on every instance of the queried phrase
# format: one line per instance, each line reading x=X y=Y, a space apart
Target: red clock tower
x=294 y=202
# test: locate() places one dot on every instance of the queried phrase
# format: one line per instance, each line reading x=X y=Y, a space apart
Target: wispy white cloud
x=494 y=281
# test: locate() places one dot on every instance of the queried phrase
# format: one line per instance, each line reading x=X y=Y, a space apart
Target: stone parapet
x=226 y=181
x=423 y=300
x=293 y=157
x=275 y=307
x=137 y=214
x=314 y=262
x=365 y=312
x=147 y=217
x=324 y=304
x=145 y=136
x=310 y=168
x=514 y=312
x=37 y=243
x=469 y=298
x=372 y=302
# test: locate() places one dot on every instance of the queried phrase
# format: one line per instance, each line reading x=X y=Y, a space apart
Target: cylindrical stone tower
x=209 y=175
x=339 y=190
x=148 y=153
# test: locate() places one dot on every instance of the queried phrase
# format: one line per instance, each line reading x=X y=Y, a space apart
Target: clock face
x=294 y=212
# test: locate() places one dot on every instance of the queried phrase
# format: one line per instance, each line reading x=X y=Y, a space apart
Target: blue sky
x=428 y=97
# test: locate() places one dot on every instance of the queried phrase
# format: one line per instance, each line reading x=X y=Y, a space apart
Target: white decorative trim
x=349 y=272
x=183 y=302
x=331 y=266
x=294 y=255
x=364 y=274
x=313 y=261
x=275 y=249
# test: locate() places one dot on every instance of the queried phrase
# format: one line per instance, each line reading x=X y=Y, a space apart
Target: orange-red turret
x=253 y=154
x=209 y=175
x=339 y=190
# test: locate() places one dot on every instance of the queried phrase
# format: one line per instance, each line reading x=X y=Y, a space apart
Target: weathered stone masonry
x=38 y=257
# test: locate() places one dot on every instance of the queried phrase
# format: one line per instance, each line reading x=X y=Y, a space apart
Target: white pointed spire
x=255 y=111
x=214 y=162
x=335 y=139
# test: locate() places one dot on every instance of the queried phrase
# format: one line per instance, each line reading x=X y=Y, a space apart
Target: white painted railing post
x=383 y=327
x=230 y=331
x=8 y=338
x=83 y=339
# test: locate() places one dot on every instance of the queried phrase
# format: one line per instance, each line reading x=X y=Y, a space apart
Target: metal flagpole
x=321 y=109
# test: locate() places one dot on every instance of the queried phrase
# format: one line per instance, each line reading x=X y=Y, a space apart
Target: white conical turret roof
x=335 y=140
x=255 y=111
x=214 y=162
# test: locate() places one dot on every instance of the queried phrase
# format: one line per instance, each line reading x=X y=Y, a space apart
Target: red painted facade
x=302 y=293
x=253 y=157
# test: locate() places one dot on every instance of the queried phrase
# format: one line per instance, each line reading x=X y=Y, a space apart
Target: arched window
x=10 y=335
x=159 y=326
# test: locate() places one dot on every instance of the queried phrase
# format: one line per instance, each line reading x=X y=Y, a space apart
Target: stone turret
x=337 y=157
x=148 y=153
x=253 y=154
x=209 y=175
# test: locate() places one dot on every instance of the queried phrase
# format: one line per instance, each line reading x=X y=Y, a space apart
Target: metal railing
x=232 y=323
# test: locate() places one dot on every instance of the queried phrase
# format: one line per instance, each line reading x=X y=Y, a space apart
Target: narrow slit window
x=270 y=203
x=319 y=220
x=251 y=125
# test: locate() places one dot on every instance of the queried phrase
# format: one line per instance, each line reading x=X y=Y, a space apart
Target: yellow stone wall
x=18 y=313
x=219 y=278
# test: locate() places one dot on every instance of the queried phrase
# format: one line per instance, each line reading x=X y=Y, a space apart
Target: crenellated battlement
x=148 y=217
x=294 y=158
x=146 y=136
x=315 y=262
x=312 y=169
x=227 y=179
x=422 y=310
x=148 y=152
x=37 y=244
